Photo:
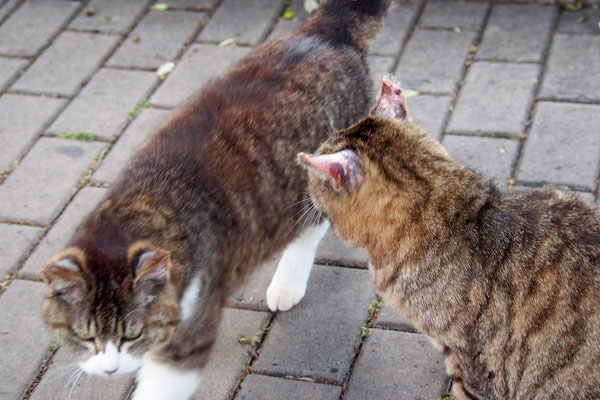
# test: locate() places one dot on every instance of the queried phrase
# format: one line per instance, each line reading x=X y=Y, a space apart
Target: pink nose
x=112 y=371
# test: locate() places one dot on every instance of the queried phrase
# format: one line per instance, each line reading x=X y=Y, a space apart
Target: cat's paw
x=283 y=297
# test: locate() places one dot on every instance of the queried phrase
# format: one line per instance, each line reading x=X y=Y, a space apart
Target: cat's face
x=111 y=311
x=374 y=175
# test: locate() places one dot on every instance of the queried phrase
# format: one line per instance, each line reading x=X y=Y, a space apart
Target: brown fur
x=507 y=285
x=210 y=192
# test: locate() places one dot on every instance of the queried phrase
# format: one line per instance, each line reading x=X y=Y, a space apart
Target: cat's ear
x=343 y=170
x=391 y=102
x=151 y=272
x=65 y=279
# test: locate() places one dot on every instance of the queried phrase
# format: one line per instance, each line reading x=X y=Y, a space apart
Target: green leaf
x=364 y=331
x=55 y=346
x=582 y=18
x=572 y=7
x=135 y=111
x=83 y=136
x=289 y=14
x=160 y=7
x=457 y=29
x=227 y=42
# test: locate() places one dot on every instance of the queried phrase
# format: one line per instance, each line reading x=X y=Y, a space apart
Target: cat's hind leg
x=289 y=282
x=160 y=381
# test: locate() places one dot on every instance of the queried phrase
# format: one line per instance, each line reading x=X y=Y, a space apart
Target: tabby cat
x=212 y=194
x=506 y=285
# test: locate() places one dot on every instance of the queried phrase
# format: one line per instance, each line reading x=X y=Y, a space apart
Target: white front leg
x=158 y=381
x=289 y=282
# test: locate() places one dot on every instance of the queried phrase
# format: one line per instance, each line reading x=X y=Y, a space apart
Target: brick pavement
x=512 y=90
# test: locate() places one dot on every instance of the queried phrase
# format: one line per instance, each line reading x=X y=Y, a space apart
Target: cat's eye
x=133 y=335
x=84 y=336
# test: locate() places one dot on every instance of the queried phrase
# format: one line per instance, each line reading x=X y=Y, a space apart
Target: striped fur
x=506 y=285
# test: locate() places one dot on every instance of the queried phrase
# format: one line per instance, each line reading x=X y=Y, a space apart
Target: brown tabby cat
x=211 y=195
x=507 y=285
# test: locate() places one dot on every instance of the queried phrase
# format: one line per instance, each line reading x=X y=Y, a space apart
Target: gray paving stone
x=495 y=99
x=200 y=63
x=23 y=119
x=434 y=60
x=517 y=32
x=397 y=365
x=261 y=387
x=135 y=134
x=450 y=14
x=71 y=59
x=333 y=251
x=229 y=357
x=430 y=112
x=192 y=4
x=37 y=190
x=570 y=21
x=15 y=242
x=573 y=68
x=157 y=39
x=252 y=294
x=55 y=383
x=563 y=146
x=245 y=21
x=109 y=15
x=32 y=25
x=395 y=27
x=285 y=27
x=56 y=239
x=23 y=339
x=103 y=106
x=9 y=67
x=493 y=158
x=389 y=319
x=379 y=66
x=6 y=7
x=305 y=342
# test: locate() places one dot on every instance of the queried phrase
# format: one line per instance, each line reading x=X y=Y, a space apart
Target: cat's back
x=548 y=290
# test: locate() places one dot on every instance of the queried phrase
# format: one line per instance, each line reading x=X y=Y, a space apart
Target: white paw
x=283 y=297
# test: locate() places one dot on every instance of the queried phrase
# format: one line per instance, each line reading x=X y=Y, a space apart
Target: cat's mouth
x=111 y=361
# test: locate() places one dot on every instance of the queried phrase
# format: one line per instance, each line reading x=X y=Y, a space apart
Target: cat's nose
x=112 y=371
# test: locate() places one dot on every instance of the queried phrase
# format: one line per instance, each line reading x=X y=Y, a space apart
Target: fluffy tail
x=347 y=22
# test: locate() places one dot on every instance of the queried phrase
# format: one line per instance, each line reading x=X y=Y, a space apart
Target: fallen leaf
x=90 y=11
x=410 y=93
x=572 y=7
x=227 y=42
x=457 y=29
x=165 y=69
x=289 y=14
x=310 y=6
x=160 y=7
x=251 y=340
x=582 y=18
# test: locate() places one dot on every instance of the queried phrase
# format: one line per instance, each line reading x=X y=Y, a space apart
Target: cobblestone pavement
x=512 y=90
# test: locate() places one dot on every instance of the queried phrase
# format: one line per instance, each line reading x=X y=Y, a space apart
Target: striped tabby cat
x=506 y=285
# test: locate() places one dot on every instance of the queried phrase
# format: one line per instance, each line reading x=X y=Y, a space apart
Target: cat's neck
x=436 y=267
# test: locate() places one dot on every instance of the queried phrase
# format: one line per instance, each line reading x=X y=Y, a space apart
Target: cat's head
x=111 y=310
x=380 y=170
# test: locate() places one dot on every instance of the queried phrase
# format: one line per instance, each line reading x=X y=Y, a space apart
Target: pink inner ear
x=342 y=169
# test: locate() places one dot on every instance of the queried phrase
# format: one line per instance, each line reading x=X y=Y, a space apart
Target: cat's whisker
x=74 y=383
x=298 y=202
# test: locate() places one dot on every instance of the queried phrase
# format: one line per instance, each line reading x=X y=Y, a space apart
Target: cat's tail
x=347 y=22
